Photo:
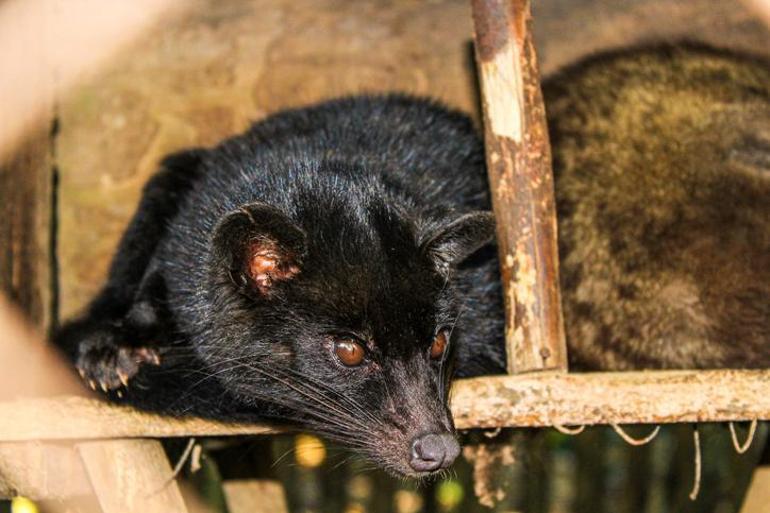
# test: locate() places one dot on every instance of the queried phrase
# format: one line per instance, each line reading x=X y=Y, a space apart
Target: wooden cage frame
x=537 y=392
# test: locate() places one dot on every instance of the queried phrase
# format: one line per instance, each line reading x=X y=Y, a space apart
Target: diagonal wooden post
x=758 y=495
x=519 y=166
x=131 y=476
x=255 y=496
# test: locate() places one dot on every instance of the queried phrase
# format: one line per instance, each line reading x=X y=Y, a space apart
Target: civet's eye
x=439 y=345
x=349 y=352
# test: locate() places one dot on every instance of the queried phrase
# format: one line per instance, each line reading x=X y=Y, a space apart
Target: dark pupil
x=349 y=352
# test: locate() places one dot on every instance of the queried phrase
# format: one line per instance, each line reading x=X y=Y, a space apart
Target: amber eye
x=439 y=345
x=350 y=352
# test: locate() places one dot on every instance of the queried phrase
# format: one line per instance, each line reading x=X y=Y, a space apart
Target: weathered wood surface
x=28 y=367
x=132 y=476
x=518 y=158
x=567 y=30
x=39 y=470
x=255 y=496
x=66 y=418
x=529 y=400
x=612 y=398
x=758 y=496
x=26 y=223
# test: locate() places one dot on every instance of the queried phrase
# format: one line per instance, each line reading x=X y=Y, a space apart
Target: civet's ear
x=455 y=240
x=259 y=246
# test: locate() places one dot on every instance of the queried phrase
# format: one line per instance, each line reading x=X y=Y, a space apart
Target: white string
x=177 y=468
x=633 y=441
x=740 y=449
x=568 y=430
x=696 y=478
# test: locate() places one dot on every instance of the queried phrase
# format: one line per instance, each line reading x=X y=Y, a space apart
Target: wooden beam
x=68 y=418
x=640 y=397
x=255 y=496
x=41 y=471
x=26 y=222
x=529 y=400
x=519 y=167
x=132 y=476
x=758 y=495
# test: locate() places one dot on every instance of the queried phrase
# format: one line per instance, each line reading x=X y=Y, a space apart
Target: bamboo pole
x=519 y=167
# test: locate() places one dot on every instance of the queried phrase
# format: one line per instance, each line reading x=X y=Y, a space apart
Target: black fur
x=368 y=211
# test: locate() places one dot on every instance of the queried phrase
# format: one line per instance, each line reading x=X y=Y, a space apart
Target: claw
x=82 y=373
x=92 y=384
x=123 y=377
x=120 y=394
x=103 y=386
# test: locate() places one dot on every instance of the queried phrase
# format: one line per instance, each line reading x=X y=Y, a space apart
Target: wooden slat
x=529 y=400
x=68 y=418
x=255 y=496
x=41 y=471
x=132 y=476
x=757 y=498
x=612 y=398
x=521 y=181
x=26 y=202
x=28 y=365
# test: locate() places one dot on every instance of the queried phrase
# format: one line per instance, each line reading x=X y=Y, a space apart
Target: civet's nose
x=433 y=451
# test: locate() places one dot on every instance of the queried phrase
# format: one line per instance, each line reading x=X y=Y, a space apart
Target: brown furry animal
x=662 y=160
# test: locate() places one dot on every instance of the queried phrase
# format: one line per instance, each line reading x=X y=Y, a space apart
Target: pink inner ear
x=266 y=264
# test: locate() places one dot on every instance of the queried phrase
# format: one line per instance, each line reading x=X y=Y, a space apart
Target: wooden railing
x=529 y=400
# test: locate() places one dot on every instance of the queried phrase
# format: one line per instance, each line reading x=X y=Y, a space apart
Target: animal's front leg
x=109 y=353
x=105 y=363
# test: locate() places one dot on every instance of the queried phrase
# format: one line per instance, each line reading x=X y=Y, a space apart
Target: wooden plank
x=612 y=398
x=132 y=476
x=255 y=496
x=26 y=165
x=67 y=418
x=41 y=471
x=519 y=167
x=528 y=400
x=26 y=202
x=757 y=498
x=28 y=366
